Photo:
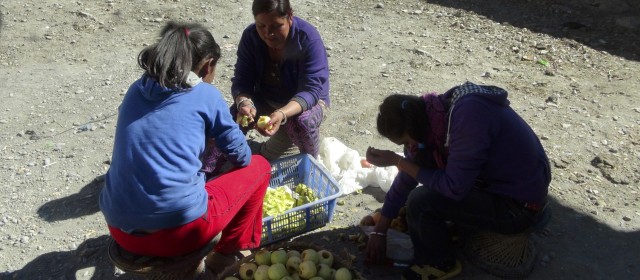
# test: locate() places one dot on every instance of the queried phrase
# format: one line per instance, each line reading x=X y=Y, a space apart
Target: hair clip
x=186 y=31
x=404 y=104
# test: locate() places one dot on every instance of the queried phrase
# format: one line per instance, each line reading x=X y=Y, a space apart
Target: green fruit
x=293 y=264
x=262 y=273
x=323 y=271
x=325 y=257
x=231 y=278
x=292 y=253
x=277 y=271
x=247 y=271
x=307 y=269
x=310 y=255
x=279 y=256
x=263 y=257
x=343 y=273
x=263 y=123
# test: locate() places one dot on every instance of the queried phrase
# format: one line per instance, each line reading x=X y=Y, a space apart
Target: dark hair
x=282 y=7
x=180 y=49
x=400 y=114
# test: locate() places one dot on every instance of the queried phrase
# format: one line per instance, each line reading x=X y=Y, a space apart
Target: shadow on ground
x=606 y=25
x=83 y=203
x=88 y=261
x=573 y=246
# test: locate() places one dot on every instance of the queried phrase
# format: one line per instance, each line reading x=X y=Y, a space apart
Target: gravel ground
x=571 y=67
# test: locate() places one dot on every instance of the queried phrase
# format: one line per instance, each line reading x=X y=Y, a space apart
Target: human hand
x=244 y=120
x=382 y=158
x=376 y=250
x=247 y=110
x=275 y=120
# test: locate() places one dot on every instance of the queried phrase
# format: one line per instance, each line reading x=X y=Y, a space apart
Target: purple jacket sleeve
x=397 y=195
x=244 y=75
x=315 y=81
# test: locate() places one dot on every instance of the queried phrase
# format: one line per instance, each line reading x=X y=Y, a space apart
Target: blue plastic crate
x=291 y=171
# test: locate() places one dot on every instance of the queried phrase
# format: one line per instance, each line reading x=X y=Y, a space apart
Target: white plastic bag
x=345 y=164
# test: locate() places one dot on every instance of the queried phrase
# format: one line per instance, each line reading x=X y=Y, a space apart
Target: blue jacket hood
x=152 y=90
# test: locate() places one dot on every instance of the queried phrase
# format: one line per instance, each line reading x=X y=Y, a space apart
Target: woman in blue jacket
x=475 y=162
x=156 y=200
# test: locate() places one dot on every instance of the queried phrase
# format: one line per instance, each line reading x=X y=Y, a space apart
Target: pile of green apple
x=280 y=199
x=284 y=264
x=277 y=201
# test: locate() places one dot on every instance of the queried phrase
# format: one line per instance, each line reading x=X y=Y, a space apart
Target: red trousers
x=235 y=209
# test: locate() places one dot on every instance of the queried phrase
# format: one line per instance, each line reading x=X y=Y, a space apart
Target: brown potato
x=367 y=221
x=376 y=217
x=399 y=224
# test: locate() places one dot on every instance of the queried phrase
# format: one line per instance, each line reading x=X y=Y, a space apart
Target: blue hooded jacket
x=154 y=180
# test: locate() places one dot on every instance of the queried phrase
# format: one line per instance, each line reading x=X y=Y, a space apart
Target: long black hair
x=400 y=114
x=180 y=49
x=282 y=7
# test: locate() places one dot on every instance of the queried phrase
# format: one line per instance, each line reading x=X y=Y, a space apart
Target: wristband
x=243 y=100
x=378 y=233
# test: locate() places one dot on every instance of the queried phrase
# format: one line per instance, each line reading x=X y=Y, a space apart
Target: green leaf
x=543 y=62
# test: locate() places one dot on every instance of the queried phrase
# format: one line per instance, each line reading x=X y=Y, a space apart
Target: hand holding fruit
x=264 y=123
x=244 y=120
x=382 y=158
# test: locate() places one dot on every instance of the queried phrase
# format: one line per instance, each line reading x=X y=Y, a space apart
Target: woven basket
x=508 y=256
x=190 y=266
x=338 y=260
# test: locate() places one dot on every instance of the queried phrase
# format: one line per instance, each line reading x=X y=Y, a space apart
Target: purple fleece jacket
x=488 y=142
x=304 y=69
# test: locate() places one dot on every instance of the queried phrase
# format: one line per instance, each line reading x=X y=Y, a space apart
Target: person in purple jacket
x=469 y=159
x=282 y=72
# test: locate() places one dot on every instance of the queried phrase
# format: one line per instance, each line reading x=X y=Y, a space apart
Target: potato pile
x=284 y=264
x=398 y=223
